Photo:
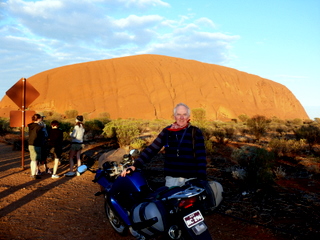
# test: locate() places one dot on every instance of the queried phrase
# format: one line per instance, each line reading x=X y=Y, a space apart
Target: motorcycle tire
x=116 y=223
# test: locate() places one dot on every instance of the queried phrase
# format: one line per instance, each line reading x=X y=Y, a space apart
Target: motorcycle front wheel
x=116 y=222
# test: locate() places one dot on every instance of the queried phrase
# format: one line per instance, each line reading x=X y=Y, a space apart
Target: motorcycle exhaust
x=174 y=232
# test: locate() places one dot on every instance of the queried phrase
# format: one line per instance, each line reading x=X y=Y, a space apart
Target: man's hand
x=127 y=170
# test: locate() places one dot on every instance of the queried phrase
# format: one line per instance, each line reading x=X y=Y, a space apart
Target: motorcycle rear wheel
x=116 y=222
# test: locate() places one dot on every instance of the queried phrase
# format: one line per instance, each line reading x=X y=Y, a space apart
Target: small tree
x=258 y=126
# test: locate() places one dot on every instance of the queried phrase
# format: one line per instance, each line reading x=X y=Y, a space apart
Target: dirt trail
x=66 y=208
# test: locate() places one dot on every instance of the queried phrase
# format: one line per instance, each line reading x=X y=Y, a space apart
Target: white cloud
x=137 y=21
x=205 y=22
x=143 y=3
x=55 y=33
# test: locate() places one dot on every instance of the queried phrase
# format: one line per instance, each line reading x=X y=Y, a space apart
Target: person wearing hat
x=76 y=145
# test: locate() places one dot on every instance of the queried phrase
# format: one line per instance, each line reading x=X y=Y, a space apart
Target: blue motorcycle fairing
x=135 y=181
x=102 y=180
x=122 y=213
x=129 y=190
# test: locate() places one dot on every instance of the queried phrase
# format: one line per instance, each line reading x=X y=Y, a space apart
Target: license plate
x=193 y=219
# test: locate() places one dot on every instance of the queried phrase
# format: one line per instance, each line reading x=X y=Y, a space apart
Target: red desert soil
x=66 y=208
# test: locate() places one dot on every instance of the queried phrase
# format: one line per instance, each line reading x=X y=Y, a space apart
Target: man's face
x=181 y=116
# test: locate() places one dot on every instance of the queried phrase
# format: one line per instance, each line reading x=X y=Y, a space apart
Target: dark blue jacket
x=185 y=154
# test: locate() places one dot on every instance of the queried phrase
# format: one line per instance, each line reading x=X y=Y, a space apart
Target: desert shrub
x=109 y=129
x=243 y=130
x=258 y=126
x=143 y=125
x=206 y=129
x=230 y=131
x=317 y=120
x=94 y=127
x=66 y=126
x=158 y=124
x=309 y=132
x=71 y=113
x=56 y=116
x=137 y=143
x=209 y=146
x=124 y=130
x=48 y=114
x=126 y=133
x=275 y=119
x=220 y=135
x=257 y=163
x=66 y=136
x=199 y=115
x=282 y=147
x=243 y=117
x=294 y=123
x=4 y=126
x=281 y=130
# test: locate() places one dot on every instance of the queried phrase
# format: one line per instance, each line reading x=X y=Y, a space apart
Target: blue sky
x=275 y=39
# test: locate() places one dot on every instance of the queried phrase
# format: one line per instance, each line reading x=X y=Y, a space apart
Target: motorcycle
x=131 y=205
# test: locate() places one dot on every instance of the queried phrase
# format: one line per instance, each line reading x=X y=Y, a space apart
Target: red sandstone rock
x=149 y=86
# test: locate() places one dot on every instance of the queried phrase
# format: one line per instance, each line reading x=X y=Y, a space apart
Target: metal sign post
x=23 y=120
x=22 y=94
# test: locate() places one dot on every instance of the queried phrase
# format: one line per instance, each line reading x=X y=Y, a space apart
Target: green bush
x=282 y=147
x=209 y=146
x=258 y=126
x=220 y=135
x=66 y=126
x=124 y=130
x=243 y=117
x=138 y=143
x=230 y=132
x=94 y=127
x=4 y=126
x=281 y=130
x=257 y=162
x=309 y=132
x=158 y=124
x=199 y=116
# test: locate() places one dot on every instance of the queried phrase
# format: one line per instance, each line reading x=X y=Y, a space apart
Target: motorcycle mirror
x=134 y=152
x=82 y=169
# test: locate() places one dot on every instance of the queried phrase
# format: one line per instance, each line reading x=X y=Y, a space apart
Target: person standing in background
x=55 y=140
x=43 y=160
x=35 y=144
x=76 y=145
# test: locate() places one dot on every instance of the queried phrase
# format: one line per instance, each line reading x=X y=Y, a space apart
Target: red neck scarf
x=175 y=127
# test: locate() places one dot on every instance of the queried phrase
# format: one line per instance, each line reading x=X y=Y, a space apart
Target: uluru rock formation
x=149 y=86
